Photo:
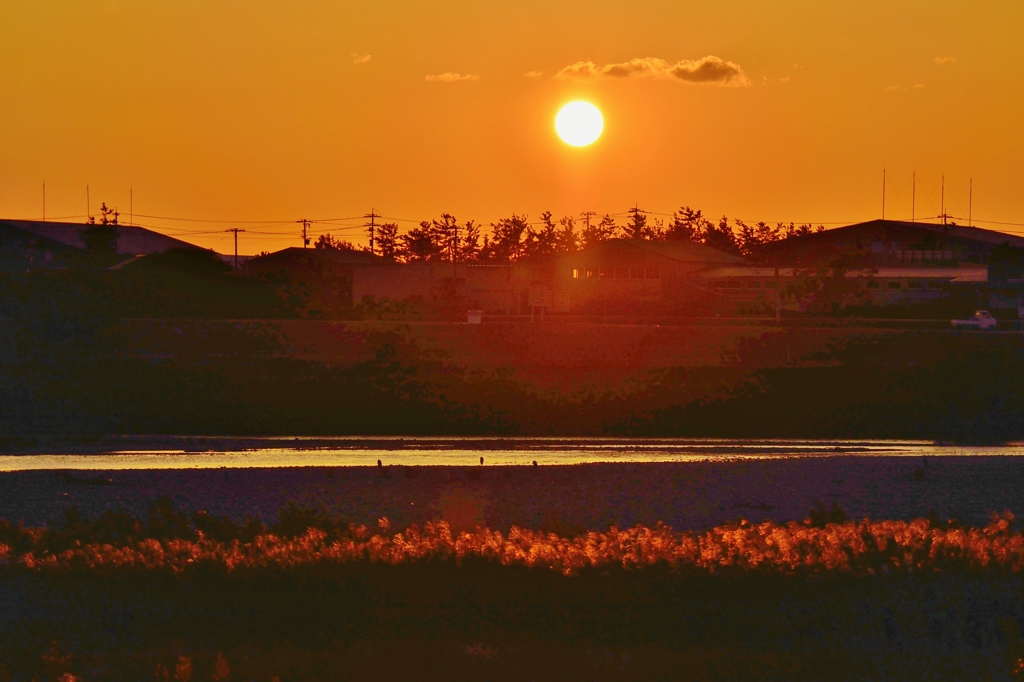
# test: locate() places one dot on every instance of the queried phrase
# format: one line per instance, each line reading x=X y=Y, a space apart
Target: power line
x=209 y=220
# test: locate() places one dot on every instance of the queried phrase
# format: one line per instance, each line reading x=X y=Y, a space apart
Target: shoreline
x=568 y=499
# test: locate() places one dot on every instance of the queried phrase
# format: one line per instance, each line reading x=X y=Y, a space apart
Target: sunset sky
x=249 y=110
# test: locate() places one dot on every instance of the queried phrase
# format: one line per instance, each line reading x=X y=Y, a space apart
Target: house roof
x=298 y=254
x=882 y=228
x=688 y=252
x=131 y=240
x=744 y=271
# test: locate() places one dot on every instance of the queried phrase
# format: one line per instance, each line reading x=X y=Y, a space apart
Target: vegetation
x=445 y=239
x=250 y=601
x=303 y=539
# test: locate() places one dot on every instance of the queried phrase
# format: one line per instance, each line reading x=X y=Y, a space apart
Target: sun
x=579 y=123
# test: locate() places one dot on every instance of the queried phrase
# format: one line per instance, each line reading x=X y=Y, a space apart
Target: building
x=889 y=242
x=890 y=262
x=663 y=277
x=131 y=240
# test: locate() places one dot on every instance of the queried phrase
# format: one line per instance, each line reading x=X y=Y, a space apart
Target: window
x=652 y=273
x=872 y=284
x=719 y=284
x=754 y=284
x=636 y=273
x=935 y=284
x=591 y=273
x=735 y=284
x=772 y=284
x=916 y=284
x=607 y=273
x=575 y=273
x=894 y=285
x=621 y=273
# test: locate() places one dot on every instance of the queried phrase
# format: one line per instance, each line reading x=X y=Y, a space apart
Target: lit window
x=591 y=273
x=575 y=273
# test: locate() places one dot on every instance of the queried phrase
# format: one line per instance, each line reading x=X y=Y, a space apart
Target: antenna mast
x=913 y=196
x=970 y=203
x=943 y=199
x=883 y=194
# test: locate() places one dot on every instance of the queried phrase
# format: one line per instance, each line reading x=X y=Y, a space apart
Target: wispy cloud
x=533 y=74
x=360 y=58
x=708 y=70
x=449 y=77
x=943 y=61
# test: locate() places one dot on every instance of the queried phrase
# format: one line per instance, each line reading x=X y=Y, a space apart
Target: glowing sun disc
x=579 y=123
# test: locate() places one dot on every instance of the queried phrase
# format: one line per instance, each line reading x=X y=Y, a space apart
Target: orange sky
x=253 y=110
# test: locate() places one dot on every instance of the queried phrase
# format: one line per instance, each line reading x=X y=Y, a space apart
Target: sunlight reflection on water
x=212 y=453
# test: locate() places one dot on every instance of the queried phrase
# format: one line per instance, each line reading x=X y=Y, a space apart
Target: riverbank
x=566 y=499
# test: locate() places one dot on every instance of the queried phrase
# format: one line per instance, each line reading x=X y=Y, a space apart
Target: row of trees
x=446 y=240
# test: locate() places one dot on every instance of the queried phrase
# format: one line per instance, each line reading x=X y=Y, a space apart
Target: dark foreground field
x=489 y=622
x=172 y=595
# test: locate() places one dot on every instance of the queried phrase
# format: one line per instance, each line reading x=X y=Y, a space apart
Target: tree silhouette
x=597 y=233
x=102 y=236
x=326 y=241
x=387 y=240
x=506 y=244
x=542 y=241
x=566 y=240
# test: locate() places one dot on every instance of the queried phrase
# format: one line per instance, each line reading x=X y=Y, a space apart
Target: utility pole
x=372 y=215
x=44 y=202
x=131 y=207
x=913 y=196
x=586 y=215
x=88 y=213
x=970 y=203
x=305 y=231
x=236 y=230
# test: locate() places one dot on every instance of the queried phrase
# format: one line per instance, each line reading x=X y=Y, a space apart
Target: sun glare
x=579 y=123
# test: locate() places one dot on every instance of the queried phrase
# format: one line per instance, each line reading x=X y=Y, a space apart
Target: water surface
x=171 y=452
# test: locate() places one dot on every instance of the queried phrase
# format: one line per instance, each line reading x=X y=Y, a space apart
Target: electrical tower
x=236 y=230
x=372 y=225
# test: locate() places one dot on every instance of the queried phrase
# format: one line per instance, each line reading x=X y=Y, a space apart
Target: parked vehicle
x=981 y=319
